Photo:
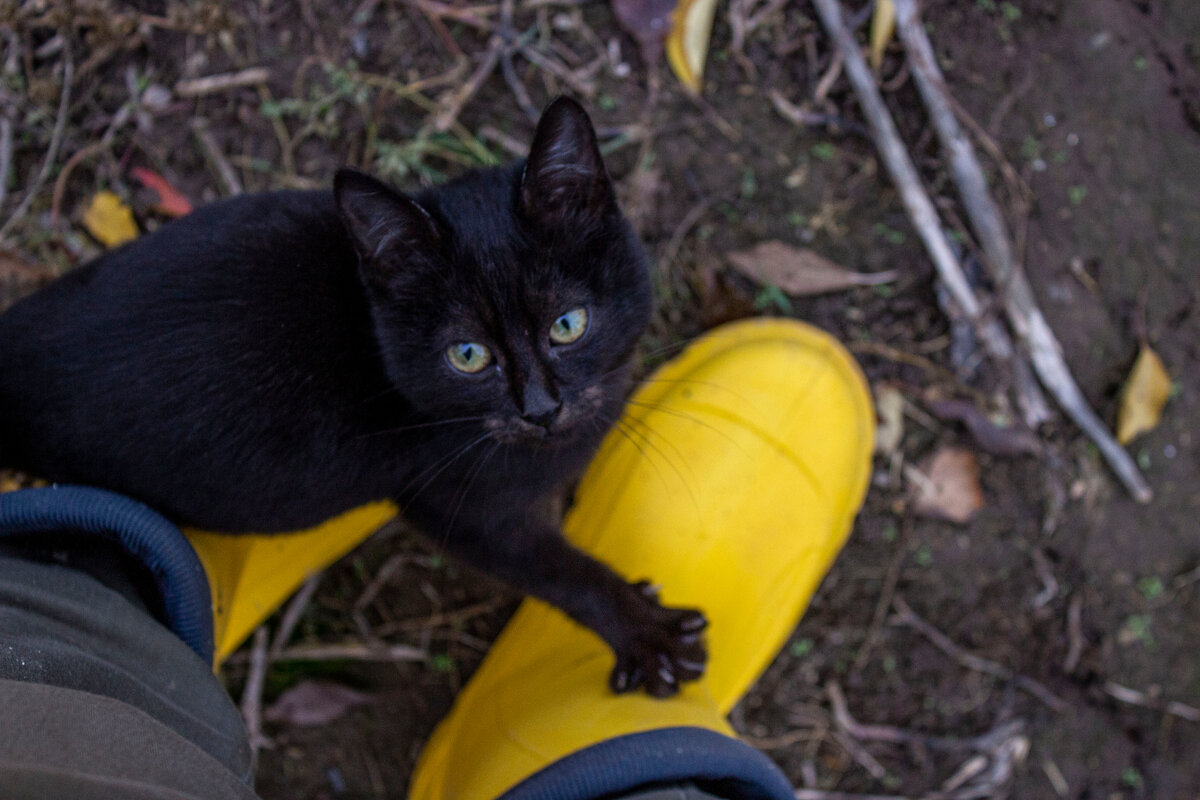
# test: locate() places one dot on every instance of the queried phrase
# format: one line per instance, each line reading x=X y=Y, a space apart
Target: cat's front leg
x=656 y=647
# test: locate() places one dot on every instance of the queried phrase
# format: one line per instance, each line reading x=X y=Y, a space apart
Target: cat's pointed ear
x=565 y=183
x=387 y=227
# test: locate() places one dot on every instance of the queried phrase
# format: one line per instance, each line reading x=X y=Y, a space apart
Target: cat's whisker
x=464 y=490
x=623 y=426
x=707 y=384
x=644 y=430
x=418 y=426
x=666 y=349
x=669 y=349
x=674 y=412
x=441 y=465
x=618 y=427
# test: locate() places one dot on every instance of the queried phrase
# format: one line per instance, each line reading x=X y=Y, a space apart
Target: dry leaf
x=687 y=44
x=171 y=201
x=314 y=703
x=947 y=486
x=1145 y=393
x=883 y=28
x=722 y=298
x=648 y=22
x=110 y=220
x=800 y=271
x=889 y=407
x=1013 y=439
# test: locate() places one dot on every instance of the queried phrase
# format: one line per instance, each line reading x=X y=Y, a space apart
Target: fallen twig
x=1074 y=634
x=906 y=616
x=252 y=694
x=508 y=69
x=817 y=794
x=1019 y=303
x=216 y=159
x=453 y=105
x=56 y=136
x=211 y=84
x=890 y=579
x=6 y=152
x=291 y=615
x=916 y=201
x=1136 y=698
x=442 y=618
x=353 y=651
x=893 y=735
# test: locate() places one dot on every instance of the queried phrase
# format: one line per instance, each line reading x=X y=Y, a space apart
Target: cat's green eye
x=469 y=357
x=569 y=326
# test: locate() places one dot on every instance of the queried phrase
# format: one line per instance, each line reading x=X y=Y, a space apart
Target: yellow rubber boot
x=732 y=481
x=250 y=575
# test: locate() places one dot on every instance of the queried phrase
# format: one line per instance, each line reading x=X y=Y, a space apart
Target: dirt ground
x=1070 y=614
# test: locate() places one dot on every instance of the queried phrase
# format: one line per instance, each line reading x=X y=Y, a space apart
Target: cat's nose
x=538 y=406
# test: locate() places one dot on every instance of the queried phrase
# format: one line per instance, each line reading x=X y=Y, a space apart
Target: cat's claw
x=661 y=648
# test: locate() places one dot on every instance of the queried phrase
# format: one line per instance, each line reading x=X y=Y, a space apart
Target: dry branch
x=56 y=137
x=212 y=84
x=1023 y=313
x=906 y=616
x=291 y=616
x=455 y=100
x=253 y=692
x=1136 y=698
x=216 y=159
x=6 y=153
x=916 y=201
x=354 y=651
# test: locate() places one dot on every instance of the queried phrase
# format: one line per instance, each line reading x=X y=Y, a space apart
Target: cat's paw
x=660 y=647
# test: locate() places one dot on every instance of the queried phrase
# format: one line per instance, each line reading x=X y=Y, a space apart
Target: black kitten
x=270 y=361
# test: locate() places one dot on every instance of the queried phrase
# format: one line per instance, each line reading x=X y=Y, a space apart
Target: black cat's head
x=511 y=296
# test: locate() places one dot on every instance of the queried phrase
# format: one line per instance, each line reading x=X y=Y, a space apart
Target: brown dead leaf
x=1146 y=391
x=110 y=220
x=1011 y=439
x=314 y=703
x=648 y=22
x=800 y=271
x=946 y=486
x=722 y=297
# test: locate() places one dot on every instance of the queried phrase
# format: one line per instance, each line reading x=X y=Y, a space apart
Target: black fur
x=270 y=361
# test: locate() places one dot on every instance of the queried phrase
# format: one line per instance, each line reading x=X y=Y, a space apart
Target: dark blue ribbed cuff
x=712 y=761
x=145 y=535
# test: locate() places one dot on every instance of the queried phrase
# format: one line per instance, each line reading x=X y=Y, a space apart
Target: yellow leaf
x=110 y=220
x=883 y=27
x=1145 y=394
x=687 y=43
